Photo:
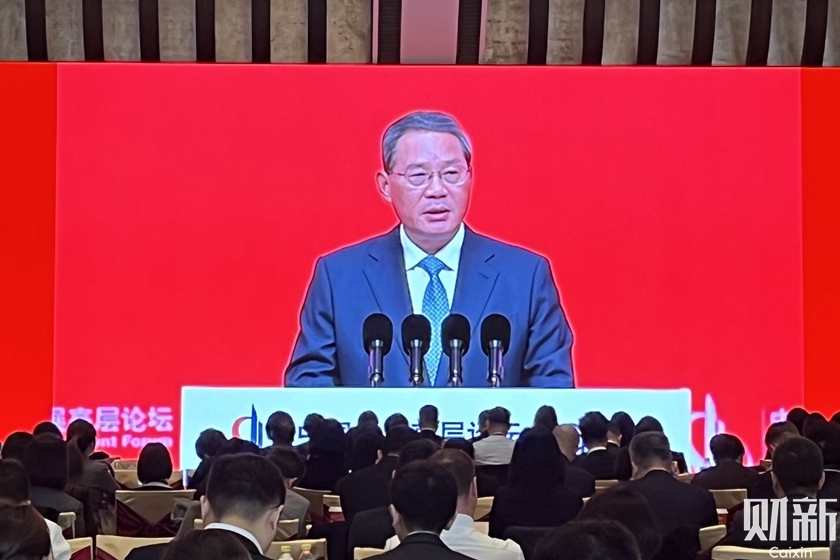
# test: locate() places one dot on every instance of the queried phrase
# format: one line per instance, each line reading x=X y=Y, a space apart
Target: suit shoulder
x=352 y=252
x=508 y=249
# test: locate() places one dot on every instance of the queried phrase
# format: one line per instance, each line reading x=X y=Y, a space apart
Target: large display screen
x=193 y=203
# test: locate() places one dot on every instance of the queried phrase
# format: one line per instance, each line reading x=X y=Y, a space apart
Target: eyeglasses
x=420 y=178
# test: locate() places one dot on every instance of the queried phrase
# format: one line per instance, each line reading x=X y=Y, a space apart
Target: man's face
x=436 y=210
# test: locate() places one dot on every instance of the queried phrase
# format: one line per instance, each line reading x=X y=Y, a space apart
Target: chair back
x=148 y=513
x=601 y=485
x=686 y=477
x=127 y=478
x=741 y=553
x=316 y=503
x=176 y=480
x=362 y=553
x=120 y=465
x=482 y=527
x=287 y=529
x=482 y=508
x=728 y=499
x=710 y=536
x=81 y=549
x=67 y=522
x=319 y=548
x=109 y=547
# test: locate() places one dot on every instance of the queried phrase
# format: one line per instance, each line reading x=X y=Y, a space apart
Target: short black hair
x=327 y=439
x=14 y=483
x=425 y=495
x=546 y=417
x=779 y=432
x=245 y=485
x=397 y=438
x=482 y=418
x=830 y=445
x=312 y=419
x=814 y=426
x=15 y=445
x=365 y=449
x=368 y=417
x=209 y=442
x=648 y=424
x=650 y=449
x=726 y=447
x=47 y=428
x=630 y=508
x=289 y=462
x=23 y=533
x=798 y=466
x=394 y=420
x=154 y=464
x=461 y=444
x=459 y=465
x=797 y=416
x=206 y=545
x=593 y=427
x=83 y=432
x=417 y=451
x=599 y=539
x=45 y=460
x=499 y=415
x=280 y=428
x=428 y=415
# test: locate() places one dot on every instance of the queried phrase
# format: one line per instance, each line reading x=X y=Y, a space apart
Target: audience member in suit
x=497 y=447
x=23 y=535
x=486 y=483
x=372 y=528
x=588 y=540
x=797 y=475
x=15 y=445
x=835 y=418
x=625 y=425
x=729 y=470
x=45 y=461
x=365 y=449
x=631 y=509
x=47 y=428
x=681 y=509
x=84 y=472
x=245 y=496
x=599 y=461
x=546 y=417
x=623 y=466
x=797 y=416
x=429 y=424
x=292 y=468
x=462 y=536
x=207 y=545
x=827 y=436
x=233 y=446
x=535 y=495
x=776 y=434
x=154 y=467
x=482 y=427
x=368 y=422
x=424 y=499
x=368 y=488
x=206 y=447
x=578 y=481
x=326 y=463
x=395 y=420
x=309 y=424
x=280 y=429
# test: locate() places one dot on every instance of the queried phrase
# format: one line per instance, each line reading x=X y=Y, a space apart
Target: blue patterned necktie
x=435 y=308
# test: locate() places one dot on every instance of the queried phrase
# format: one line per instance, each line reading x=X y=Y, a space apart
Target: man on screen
x=431 y=264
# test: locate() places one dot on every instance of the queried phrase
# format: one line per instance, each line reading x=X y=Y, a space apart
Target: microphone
x=416 y=338
x=377 y=336
x=455 y=333
x=495 y=340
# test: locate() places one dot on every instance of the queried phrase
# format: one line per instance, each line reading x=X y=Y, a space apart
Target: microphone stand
x=456 y=349
x=375 y=367
x=416 y=363
x=496 y=371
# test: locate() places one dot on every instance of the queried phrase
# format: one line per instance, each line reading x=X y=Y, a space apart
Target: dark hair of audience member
x=289 y=461
x=83 y=432
x=726 y=447
x=798 y=466
x=395 y=420
x=625 y=426
x=419 y=450
x=626 y=506
x=397 y=438
x=461 y=444
x=797 y=416
x=428 y=416
x=154 y=464
x=546 y=417
x=779 y=432
x=206 y=545
x=368 y=417
x=14 y=483
x=593 y=428
x=459 y=465
x=647 y=424
x=244 y=485
x=499 y=416
x=327 y=439
x=208 y=443
x=425 y=496
x=235 y=446
x=836 y=418
x=594 y=539
x=23 y=533
x=365 y=450
x=312 y=419
x=47 y=428
x=650 y=450
x=830 y=445
x=814 y=426
x=45 y=460
x=15 y=445
x=537 y=464
x=482 y=421
x=280 y=428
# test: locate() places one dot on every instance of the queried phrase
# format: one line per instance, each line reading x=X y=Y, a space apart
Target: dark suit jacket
x=431 y=436
x=200 y=474
x=422 y=546
x=578 y=481
x=366 y=488
x=725 y=476
x=322 y=473
x=155 y=551
x=763 y=488
x=369 y=277
x=599 y=463
x=371 y=529
x=737 y=533
x=50 y=498
x=514 y=508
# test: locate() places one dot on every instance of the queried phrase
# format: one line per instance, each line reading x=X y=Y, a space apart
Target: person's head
x=726 y=447
x=15 y=445
x=367 y=447
x=235 y=446
x=327 y=439
x=498 y=420
x=395 y=420
x=45 y=460
x=797 y=416
x=462 y=468
x=460 y=444
x=546 y=417
x=429 y=417
x=208 y=443
x=418 y=450
x=427 y=176
x=368 y=417
x=154 y=464
x=814 y=427
x=650 y=451
x=290 y=463
x=630 y=508
x=830 y=445
x=536 y=464
x=591 y=539
x=483 y=423
x=311 y=420
x=83 y=435
x=625 y=426
x=206 y=545
x=613 y=433
x=246 y=491
x=280 y=428
x=797 y=468
x=397 y=438
x=593 y=429
x=836 y=418
x=47 y=428
x=568 y=439
x=424 y=497
x=778 y=433
x=14 y=483
x=647 y=424
x=23 y=533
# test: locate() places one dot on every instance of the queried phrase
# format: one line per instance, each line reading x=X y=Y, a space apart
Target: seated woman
x=23 y=534
x=154 y=467
x=85 y=472
x=45 y=461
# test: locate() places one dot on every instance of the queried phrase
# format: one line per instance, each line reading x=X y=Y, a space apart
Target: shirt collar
x=239 y=531
x=599 y=448
x=462 y=521
x=450 y=254
x=158 y=485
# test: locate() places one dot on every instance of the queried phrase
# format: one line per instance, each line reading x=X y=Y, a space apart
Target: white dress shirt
x=60 y=546
x=465 y=539
x=495 y=449
x=239 y=531
x=418 y=279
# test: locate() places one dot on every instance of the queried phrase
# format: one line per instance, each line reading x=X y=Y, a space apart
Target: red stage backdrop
x=192 y=202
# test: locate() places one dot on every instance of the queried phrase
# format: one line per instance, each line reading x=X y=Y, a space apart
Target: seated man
x=292 y=468
x=245 y=496
x=429 y=424
x=599 y=459
x=580 y=482
x=462 y=536
x=776 y=434
x=588 y=540
x=729 y=470
x=424 y=499
x=497 y=447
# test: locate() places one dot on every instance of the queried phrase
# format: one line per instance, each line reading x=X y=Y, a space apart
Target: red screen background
x=192 y=202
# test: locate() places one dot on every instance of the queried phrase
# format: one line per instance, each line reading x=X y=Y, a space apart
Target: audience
x=23 y=535
x=280 y=429
x=535 y=495
x=623 y=466
x=368 y=422
x=292 y=468
x=325 y=464
x=233 y=446
x=588 y=540
x=15 y=445
x=481 y=427
x=47 y=428
x=45 y=461
x=84 y=472
x=797 y=416
x=395 y=420
x=729 y=470
x=631 y=509
x=497 y=447
x=776 y=434
x=625 y=425
x=207 y=545
x=207 y=446
x=546 y=417
x=154 y=467
x=578 y=481
x=599 y=461
x=613 y=436
x=486 y=483
x=309 y=424
x=429 y=424
x=365 y=450
x=829 y=443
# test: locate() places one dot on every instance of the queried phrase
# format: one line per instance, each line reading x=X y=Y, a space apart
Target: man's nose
x=435 y=188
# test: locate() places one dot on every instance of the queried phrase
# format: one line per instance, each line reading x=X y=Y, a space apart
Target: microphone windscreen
x=378 y=327
x=416 y=327
x=455 y=327
x=495 y=327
